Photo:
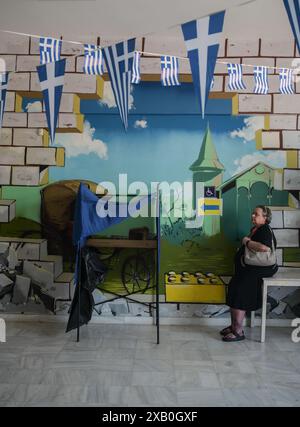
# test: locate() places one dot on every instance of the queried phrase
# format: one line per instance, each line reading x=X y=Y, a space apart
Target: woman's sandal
x=235 y=337
x=226 y=331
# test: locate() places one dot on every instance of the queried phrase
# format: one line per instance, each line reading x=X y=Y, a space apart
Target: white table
x=282 y=278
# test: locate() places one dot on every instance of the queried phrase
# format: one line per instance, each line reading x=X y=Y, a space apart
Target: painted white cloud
x=276 y=159
x=141 y=124
x=83 y=143
x=109 y=99
x=34 y=107
x=247 y=133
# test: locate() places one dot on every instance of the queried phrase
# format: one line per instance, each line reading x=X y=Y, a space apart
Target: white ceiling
x=82 y=20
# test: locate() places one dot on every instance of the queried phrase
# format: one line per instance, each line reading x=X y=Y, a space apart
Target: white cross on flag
x=202 y=38
x=51 y=77
x=119 y=59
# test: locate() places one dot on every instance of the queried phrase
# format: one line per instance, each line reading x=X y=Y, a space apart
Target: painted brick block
x=41 y=156
x=12 y=156
x=291 y=179
x=80 y=83
x=270 y=140
x=5 y=136
x=278 y=180
x=280 y=121
x=52 y=263
x=150 y=66
x=277 y=48
x=267 y=62
x=255 y=103
x=12 y=43
x=71 y=121
x=26 y=175
x=73 y=83
x=287 y=104
x=10 y=101
x=13 y=120
x=27 y=137
x=27 y=62
x=291 y=139
x=5 y=173
x=287 y=63
x=30 y=62
x=279 y=256
x=33 y=249
x=277 y=218
x=287 y=238
x=242 y=48
x=292 y=218
x=66 y=103
x=7 y=210
x=37 y=120
x=19 y=81
x=7 y=63
x=35 y=85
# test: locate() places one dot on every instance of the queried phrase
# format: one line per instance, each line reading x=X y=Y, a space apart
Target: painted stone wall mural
x=245 y=151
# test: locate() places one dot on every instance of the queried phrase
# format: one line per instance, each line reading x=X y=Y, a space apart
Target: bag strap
x=273 y=239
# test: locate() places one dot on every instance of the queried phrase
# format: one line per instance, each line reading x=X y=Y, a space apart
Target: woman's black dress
x=245 y=287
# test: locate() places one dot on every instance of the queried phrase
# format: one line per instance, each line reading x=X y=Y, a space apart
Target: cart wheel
x=136 y=275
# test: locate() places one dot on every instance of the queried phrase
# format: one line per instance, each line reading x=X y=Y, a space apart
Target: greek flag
x=49 y=50
x=235 y=73
x=51 y=77
x=169 y=71
x=3 y=89
x=119 y=59
x=261 y=80
x=286 y=81
x=93 y=63
x=136 y=73
x=293 y=10
x=202 y=38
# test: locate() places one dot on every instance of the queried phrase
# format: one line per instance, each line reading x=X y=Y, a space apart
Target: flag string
x=143 y=53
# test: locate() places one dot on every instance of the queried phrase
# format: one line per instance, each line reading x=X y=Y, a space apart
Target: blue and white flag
x=136 y=73
x=3 y=90
x=286 y=81
x=169 y=71
x=212 y=83
x=49 y=50
x=235 y=72
x=51 y=77
x=202 y=38
x=119 y=59
x=261 y=80
x=93 y=60
x=293 y=10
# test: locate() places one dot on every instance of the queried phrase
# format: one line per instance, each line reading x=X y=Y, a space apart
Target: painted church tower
x=209 y=170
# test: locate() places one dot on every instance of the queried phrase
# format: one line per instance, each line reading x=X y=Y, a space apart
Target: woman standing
x=245 y=287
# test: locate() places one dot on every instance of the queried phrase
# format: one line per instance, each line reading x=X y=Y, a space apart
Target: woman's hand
x=245 y=240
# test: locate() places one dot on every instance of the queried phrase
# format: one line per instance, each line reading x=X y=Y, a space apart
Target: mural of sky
x=163 y=139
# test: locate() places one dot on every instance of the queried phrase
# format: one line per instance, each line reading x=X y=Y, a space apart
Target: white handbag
x=261 y=259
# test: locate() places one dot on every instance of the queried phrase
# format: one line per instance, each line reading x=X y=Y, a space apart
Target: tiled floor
x=121 y=365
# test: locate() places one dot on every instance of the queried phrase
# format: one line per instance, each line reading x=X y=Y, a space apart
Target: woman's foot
x=234 y=336
x=226 y=331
